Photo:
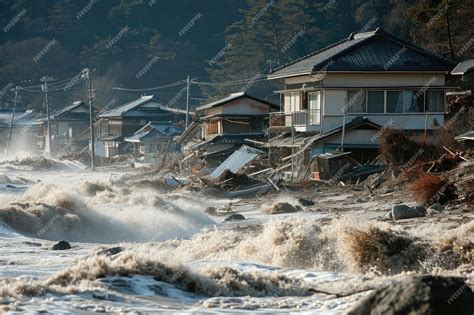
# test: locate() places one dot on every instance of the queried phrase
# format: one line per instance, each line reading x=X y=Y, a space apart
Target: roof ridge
x=309 y=55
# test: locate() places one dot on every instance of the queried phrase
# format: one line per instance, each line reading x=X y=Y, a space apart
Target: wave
x=344 y=245
x=214 y=281
x=96 y=212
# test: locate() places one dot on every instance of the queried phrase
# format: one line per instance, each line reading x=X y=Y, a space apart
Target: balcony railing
x=295 y=119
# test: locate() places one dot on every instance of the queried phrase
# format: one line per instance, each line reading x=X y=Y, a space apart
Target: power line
x=152 y=88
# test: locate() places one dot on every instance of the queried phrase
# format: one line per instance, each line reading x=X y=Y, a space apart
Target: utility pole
x=188 y=82
x=44 y=87
x=87 y=74
x=16 y=89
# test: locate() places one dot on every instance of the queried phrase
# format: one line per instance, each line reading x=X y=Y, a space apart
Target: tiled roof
x=121 y=110
x=233 y=97
x=69 y=113
x=375 y=51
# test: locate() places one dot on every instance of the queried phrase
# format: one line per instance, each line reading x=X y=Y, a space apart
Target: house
x=231 y=122
x=25 y=132
x=155 y=137
x=115 y=125
x=67 y=124
x=356 y=86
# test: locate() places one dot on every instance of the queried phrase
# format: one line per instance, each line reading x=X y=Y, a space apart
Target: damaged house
x=341 y=96
x=115 y=125
x=229 y=123
x=67 y=124
x=20 y=131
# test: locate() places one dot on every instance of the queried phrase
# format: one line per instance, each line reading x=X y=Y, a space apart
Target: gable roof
x=463 y=67
x=376 y=51
x=135 y=106
x=122 y=110
x=71 y=112
x=153 y=131
x=233 y=97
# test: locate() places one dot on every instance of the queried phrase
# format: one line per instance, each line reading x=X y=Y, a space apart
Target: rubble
x=402 y=211
x=282 y=207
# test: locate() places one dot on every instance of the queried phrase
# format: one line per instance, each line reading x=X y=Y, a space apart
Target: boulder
x=61 y=245
x=437 y=207
x=419 y=295
x=402 y=211
x=235 y=217
x=306 y=202
x=282 y=207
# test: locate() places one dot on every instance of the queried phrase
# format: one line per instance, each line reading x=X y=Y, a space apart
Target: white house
x=385 y=79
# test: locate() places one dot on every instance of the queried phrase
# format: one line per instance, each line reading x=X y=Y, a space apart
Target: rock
x=211 y=210
x=110 y=251
x=306 y=202
x=402 y=211
x=419 y=295
x=61 y=245
x=437 y=207
x=282 y=207
x=235 y=217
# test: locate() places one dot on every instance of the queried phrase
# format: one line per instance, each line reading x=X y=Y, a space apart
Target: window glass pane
x=375 y=101
x=356 y=101
x=394 y=102
x=435 y=101
x=413 y=101
x=314 y=108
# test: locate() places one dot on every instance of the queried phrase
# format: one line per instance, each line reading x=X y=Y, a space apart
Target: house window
x=434 y=101
x=375 y=101
x=356 y=101
x=413 y=101
x=314 y=108
x=212 y=127
x=292 y=102
x=394 y=101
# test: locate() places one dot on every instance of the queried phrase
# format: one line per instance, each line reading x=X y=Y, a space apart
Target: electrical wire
x=152 y=88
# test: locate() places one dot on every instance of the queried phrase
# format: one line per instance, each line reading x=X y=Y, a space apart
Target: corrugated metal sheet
x=237 y=160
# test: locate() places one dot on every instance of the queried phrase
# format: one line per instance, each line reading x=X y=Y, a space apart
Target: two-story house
x=115 y=125
x=384 y=79
x=232 y=121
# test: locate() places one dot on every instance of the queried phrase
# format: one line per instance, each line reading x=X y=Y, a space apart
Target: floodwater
x=138 y=249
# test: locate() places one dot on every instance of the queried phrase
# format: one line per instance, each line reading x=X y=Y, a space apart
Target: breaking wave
x=92 y=273
x=98 y=213
x=342 y=245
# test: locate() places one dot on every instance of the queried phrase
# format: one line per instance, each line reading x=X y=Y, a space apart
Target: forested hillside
x=231 y=44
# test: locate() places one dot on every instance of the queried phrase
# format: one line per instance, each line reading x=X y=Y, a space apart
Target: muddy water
x=174 y=257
